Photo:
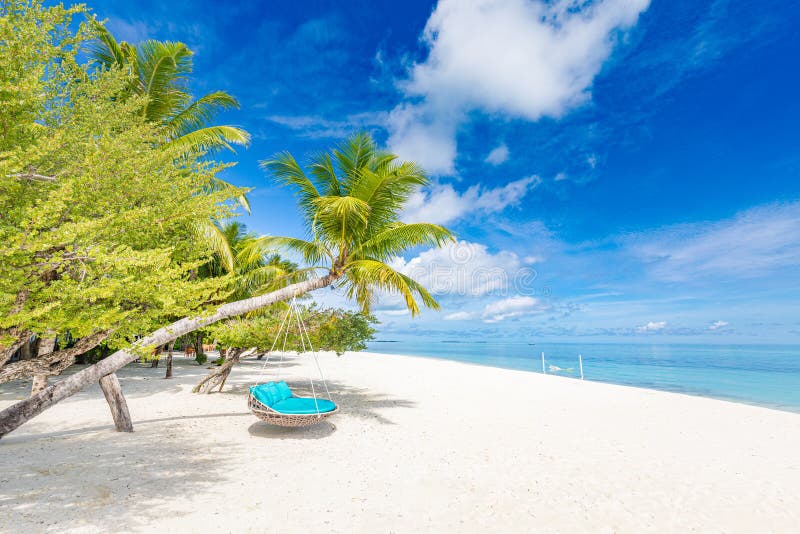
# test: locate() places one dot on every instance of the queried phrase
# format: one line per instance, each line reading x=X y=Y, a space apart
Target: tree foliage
x=98 y=222
x=160 y=71
x=351 y=200
x=329 y=329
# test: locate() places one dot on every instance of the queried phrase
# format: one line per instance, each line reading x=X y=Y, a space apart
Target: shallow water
x=767 y=375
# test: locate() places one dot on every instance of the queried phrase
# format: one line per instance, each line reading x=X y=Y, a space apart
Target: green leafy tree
x=160 y=73
x=98 y=222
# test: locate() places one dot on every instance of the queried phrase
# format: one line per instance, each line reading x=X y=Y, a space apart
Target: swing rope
x=305 y=338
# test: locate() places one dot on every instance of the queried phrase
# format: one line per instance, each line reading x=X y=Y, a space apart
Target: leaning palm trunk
x=21 y=412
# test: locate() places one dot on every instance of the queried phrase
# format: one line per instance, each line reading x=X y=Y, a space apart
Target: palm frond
x=164 y=67
x=200 y=112
x=354 y=155
x=106 y=50
x=287 y=172
x=209 y=139
x=340 y=219
x=399 y=237
x=368 y=273
x=313 y=252
x=214 y=237
x=323 y=170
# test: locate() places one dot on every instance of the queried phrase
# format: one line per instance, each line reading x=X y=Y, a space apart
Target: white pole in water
x=543 y=369
x=580 y=361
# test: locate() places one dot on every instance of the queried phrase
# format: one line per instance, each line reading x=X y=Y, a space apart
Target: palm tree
x=236 y=253
x=161 y=70
x=350 y=200
x=255 y=270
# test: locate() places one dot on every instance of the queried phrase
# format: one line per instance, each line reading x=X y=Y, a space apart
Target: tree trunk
x=14 y=337
x=39 y=383
x=116 y=402
x=26 y=351
x=45 y=346
x=156 y=357
x=220 y=375
x=198 y=344
x=169 y=359
x=8 y=350
x=53 y=363
x=17 y=414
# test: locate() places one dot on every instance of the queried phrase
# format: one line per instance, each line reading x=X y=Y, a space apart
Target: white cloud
x=421 y=135
x=459 y=316
x=464 y=268
x=442 y=204
x=498 y=156
x=752 y=244
x=518 y=58
x=718 y=324
x=510 y=307
x=652 y=327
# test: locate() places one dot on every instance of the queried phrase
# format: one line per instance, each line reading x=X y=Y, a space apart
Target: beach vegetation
x=107 y=187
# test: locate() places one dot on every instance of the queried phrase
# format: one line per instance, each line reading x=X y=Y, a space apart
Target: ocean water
x=766 y=375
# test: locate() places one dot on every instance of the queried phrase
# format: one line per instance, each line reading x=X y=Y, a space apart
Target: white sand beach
x=419 y=445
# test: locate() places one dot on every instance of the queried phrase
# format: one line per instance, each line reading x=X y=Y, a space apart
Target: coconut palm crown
x=351 y=200
x=161 y=71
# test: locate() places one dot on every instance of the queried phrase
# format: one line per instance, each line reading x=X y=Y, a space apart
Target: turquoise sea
x=766 y=375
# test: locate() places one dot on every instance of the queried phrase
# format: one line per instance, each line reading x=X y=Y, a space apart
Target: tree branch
x=52 y=363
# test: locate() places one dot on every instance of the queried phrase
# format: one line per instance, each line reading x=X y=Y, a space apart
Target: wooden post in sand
x=116 y=402
x=544 y=372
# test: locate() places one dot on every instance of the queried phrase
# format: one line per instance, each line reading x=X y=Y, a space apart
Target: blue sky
x=617 y=170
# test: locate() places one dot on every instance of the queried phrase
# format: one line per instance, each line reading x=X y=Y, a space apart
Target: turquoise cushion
x=303 y=405
x=266 y=394
x=283 y=390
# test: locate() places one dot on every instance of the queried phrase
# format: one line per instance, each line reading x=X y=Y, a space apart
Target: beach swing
x=273 y=402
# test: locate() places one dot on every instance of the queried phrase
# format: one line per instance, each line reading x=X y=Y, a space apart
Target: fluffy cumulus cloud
x=499 y=155
x=517 y=58
x=442 y=204
x=652 y=326
x=469 y=269
x=511 y=307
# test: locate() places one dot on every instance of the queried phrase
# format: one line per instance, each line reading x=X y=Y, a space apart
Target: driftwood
x=218 y=376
